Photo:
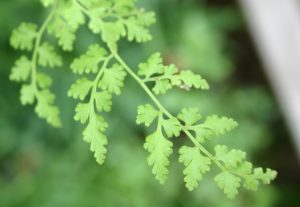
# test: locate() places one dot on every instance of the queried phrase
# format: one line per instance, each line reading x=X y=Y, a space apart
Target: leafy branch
x=113 y=20
x=197 y=159
x=24 y=37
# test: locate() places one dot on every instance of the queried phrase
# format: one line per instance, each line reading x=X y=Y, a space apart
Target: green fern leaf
x=21 y=69
x=229 y=183
x=45 y=108
x=146 y=114
x=80 y=88
x=252 y=181
x=152 y=66
x=195 y=165
x=128 y=21
x=161 y=86
x=73 y=15
x=89 y=61
x=112 y=32
x=171 y=126
x=22 y=37
x=245 y=168
x=165 y=77
x=160 y=149
x=93 y=134
x=189 y=116
x=103 y=101
x=220 y=125
x=63 y=32
x=213 y=125
x=231 y=158
x=202 y=133
x=136 y=30
x=113 y=79
x=188 y=79
x=27 y=94
x=82 y=112
x=48 y=56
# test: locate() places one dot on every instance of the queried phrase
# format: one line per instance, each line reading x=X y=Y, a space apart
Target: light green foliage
x=112 y=32
x=189 y=116
x=103 y=101
x=165 y=77
x=252 y=177
x=67 y=19
x=45 y=108
x=229 y=183
x=22 y=38
x=63 y=32
x=151 y=67
x=160 y=149
x=89 y=61
x=107 y=81
x=195 y=164
x=102 y=73
x=213 y=125
x=82 y=112
x=197 y=161
x=48 y=56
x=171 y=126
x=122 y=19
x=220 y=125
x=238 y=170
x=230 y=158
x=80 y=88
x=72 y=14
x=113 y=79
x=146 y=114
x=21 y=69
x=93 y=134
x=36 y=84
x=27 y=94
x=252 y=180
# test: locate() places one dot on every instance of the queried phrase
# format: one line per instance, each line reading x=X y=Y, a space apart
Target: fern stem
x=95 y=82
x=37 y=45
x=141 y=83
x=167 y=113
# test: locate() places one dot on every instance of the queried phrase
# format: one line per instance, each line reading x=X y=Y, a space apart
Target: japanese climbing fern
x=101 y=74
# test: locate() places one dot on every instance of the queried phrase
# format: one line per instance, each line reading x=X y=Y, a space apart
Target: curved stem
x=146 y=89
x=167 y=113
x=37 y=45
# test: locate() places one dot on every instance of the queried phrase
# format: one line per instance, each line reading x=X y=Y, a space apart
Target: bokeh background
x=45 y=167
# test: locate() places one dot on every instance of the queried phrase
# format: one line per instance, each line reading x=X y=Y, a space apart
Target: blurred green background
x=45 y=167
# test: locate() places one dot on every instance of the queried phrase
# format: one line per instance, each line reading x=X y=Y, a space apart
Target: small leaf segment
x=102 y=73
